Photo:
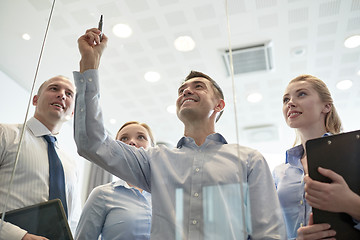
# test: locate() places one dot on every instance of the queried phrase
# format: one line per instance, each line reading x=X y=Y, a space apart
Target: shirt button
x=81 y=110
x=196 y=194
x=197 y=169
x=301 y=202
x=81 y=80
x=194 y=222
x=90 y=79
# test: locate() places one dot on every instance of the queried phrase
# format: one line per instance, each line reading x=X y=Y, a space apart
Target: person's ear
x=35 y=100
x=327 y=108
x=220 y=106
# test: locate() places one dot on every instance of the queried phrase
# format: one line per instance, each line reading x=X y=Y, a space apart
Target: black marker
x=100 y=26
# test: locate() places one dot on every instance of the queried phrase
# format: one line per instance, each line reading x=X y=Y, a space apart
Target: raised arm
x=91 y=49
x=93 y=142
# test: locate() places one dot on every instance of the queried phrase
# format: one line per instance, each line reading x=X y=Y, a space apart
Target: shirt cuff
x=89 y=80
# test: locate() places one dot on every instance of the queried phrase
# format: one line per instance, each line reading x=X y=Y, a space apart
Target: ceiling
x=316 y=29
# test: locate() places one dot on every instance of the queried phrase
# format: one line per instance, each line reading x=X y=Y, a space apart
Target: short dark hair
x=217 y=89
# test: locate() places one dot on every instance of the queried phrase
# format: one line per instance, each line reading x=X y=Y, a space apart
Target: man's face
x=55 y=101
x=196 y=98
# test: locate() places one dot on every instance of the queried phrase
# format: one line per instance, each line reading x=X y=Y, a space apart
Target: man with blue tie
x=43 y=171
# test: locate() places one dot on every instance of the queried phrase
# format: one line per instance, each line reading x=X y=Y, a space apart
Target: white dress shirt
x=31 y=180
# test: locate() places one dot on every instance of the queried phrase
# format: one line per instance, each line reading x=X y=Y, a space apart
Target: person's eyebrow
x=301 y=89
x=182 y=86
x=57 y=85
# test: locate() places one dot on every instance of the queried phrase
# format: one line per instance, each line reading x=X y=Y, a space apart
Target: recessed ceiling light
x=344 y=84
x=122 y=30
x=358 y=73
x=254 y=97
x=171 y=109
x=184 y=44
x=112 y=120
x=26 y=36
x=152 y=76
x=352 y=42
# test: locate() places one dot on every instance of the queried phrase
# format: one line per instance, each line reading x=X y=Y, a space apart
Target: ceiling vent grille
x=250 y=59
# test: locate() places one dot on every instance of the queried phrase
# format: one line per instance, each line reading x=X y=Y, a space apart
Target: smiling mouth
x=294 y=114
x=57 y=105
x=188 y=100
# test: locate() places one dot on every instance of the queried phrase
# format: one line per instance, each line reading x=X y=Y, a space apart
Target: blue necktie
x=56 y=174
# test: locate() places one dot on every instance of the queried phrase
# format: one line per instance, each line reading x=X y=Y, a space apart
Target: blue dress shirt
x=289 y=181
x=198 y=192
x=116 y=211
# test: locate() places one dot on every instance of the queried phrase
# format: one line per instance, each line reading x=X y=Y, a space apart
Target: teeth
x=189 y=100
x=58 y=105
x=294 y=113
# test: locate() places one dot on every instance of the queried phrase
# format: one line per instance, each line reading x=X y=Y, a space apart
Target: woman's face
x=135 y=135
x=302 y=106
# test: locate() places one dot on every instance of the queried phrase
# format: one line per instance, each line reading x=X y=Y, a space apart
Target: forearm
x=264 y=203
x=10 y=231
x=94 y=144
x=87 y=63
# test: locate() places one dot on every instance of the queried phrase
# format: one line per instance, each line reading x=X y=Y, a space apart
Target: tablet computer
x=45 y=219
x=340 y=153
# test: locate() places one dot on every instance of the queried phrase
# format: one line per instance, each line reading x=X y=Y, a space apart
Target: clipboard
x=45 y=219
x=340 y=153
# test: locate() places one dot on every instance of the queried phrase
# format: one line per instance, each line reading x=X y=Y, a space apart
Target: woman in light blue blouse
x=308 y=108
x=119 y=210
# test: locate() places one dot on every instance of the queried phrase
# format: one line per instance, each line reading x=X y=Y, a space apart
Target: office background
x=279 y=39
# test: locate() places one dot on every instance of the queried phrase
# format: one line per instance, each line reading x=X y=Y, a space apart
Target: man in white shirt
x=54 y=105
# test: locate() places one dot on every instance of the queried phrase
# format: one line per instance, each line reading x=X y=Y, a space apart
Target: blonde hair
x=332 y=120
x=148 y=129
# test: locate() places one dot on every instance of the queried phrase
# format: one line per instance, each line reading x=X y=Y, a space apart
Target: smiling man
x=54 y=105
x=202 y=189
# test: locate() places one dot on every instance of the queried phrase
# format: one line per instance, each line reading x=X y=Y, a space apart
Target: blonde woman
x=308 y=108
x=119 y=210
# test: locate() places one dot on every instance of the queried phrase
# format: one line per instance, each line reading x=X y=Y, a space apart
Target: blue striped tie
x=56 y=174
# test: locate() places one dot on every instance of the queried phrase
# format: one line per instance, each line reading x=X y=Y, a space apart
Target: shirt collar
x=122 y=183
x=37 y=128
x=216 y=137
x=294 y=154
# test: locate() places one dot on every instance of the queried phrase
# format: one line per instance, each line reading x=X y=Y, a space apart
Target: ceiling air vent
x=250 y=59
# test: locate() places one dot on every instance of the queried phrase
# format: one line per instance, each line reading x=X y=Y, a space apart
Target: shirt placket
x=302 y=204
x=195 y=215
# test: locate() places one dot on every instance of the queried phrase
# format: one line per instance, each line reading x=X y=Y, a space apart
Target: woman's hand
x=315 y=231
x=333 y=197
